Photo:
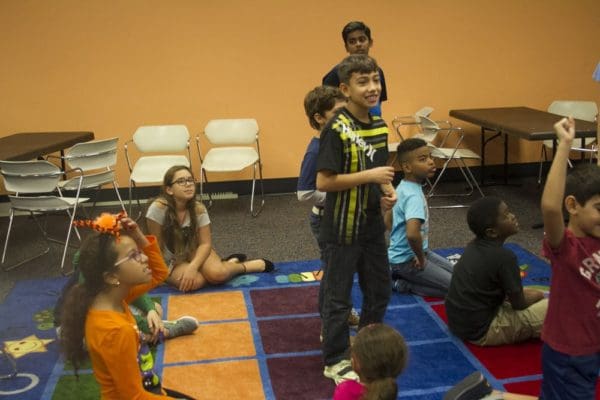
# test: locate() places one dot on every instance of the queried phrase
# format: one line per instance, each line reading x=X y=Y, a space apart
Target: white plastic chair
x=96 y=159
x=235 y=148
x=414 y=119
x=156 y=139
x=31 y=183
x=578 y=109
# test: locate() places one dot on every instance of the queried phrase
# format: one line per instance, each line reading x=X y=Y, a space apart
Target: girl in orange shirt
x=116 y=269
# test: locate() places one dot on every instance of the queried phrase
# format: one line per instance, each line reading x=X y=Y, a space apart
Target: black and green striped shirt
x=347 y=146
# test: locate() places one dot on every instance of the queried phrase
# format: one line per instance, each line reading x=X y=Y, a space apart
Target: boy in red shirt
x=571 y=353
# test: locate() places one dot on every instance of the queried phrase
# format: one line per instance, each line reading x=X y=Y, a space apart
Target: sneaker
x=342 y=371
x=400 y=286
x=353 y=319
x=181 y=326
x=473 y=387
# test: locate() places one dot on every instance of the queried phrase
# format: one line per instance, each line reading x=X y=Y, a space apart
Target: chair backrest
x=578 y=109
x=161 y=138
x=38 y=176
x=423 y=112
x=93 y=155
x=429 y=128
x=231 y=131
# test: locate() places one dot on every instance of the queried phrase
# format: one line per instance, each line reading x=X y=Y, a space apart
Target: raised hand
x=565 y=129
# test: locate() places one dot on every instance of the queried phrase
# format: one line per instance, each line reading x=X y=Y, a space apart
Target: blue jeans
x=568 y=377
x=369 y=260
x=433 y=280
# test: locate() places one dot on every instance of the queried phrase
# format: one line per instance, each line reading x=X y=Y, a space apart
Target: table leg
x=505 y=159
x=484 y=143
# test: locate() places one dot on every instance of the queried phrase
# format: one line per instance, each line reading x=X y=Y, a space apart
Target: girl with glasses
x=118 y=264
x=182 y=226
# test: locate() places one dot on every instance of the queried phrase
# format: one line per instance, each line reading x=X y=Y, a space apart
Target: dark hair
x=183 y=242
x=382 y=355
x=583 y=183
x=355 y=26
x=407 y=146
x=97 y=257
x=361 y=63
x=320 y=100
x=483 y=214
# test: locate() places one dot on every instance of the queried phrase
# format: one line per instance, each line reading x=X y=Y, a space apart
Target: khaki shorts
x=513 y=326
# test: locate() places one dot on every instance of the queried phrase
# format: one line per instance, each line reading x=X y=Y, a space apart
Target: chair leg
x=116 y=187
x=203 y=179
x=132 y=186
x=64 y=255
x=26 y=260
x=262 y=190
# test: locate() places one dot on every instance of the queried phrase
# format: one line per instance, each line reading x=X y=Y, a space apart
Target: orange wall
x=110 y=66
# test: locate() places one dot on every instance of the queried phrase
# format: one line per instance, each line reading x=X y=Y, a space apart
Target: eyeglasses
x=184 y=181
x=136 y=255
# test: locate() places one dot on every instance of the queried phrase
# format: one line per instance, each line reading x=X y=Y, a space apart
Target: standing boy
x=486 y=303
x=571 y=333
x=351 y=168
x=357 y=40
x=320 y=104
x=415 y=268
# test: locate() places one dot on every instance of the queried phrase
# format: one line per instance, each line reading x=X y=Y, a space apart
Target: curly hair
x=97 y=257
x=382 y=355
x=181 y=241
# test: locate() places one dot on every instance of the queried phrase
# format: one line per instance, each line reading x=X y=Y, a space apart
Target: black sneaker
x=473 y=387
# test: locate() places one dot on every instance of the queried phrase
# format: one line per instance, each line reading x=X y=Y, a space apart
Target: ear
x=405 y=166
x=111 y=279
x=345 y=89
x=571 y=204
x=320 y=119
x=169 y=190
x=491 y=233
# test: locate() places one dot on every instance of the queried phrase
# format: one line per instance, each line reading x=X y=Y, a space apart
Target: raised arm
x=552 y=198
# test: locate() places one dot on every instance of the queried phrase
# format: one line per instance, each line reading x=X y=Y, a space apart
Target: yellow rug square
x=212 y=341
x=218 y=381
x=209 y=306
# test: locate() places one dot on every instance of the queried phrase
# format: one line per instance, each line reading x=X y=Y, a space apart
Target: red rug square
x=299 y=378
x=505 y=361
x=290 y=335
x=285 y=301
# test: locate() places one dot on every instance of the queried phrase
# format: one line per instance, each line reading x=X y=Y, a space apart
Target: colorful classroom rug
x=259 y=339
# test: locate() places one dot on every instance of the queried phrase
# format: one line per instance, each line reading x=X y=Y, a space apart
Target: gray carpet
x=280 y=233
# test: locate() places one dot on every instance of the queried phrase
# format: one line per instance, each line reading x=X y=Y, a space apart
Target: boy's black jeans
x=369 y=259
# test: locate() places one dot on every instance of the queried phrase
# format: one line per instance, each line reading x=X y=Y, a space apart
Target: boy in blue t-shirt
x=415 y=269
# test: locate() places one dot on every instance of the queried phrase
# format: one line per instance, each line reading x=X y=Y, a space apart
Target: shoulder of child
x=200 y=208
x=160 y=203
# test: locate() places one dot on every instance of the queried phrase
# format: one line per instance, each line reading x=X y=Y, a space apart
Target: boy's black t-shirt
x=483 y=277
x=349 y=145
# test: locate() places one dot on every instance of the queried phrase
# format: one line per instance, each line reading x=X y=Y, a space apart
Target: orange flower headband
x=105 y=223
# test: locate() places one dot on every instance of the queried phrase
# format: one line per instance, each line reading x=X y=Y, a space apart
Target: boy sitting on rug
x=486 y=303
x=415 y=269
x=571 y=333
